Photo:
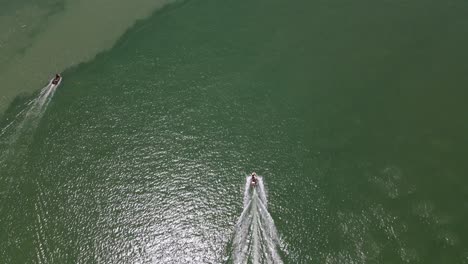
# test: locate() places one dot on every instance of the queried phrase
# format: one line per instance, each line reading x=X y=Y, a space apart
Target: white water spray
x=256 y=239
x=43 y=99
x=37 y=106
x=19 y=131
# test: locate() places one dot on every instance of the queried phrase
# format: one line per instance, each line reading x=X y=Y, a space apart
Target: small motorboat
x=56 y=80
x=253 y=179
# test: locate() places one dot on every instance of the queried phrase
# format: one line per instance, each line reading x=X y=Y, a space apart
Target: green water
x=354 y=113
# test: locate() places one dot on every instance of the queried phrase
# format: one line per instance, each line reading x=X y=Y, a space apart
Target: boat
x=253 y=179
x=56 y=80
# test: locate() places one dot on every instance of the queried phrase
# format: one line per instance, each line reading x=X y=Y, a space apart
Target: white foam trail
x=17 y=135
x=44 y=98
x=25 y=122
x=261 y=191
x=256 y=239
x=36 y=109
x=17 y=117
x=246 y=191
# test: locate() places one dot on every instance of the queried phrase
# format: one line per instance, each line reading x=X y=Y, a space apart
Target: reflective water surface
x=352 y=113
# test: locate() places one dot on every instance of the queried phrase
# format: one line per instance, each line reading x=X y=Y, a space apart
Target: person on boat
x=254 y=179
x=56 y=79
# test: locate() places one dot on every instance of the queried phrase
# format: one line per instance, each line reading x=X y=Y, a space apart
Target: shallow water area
x=41 y=39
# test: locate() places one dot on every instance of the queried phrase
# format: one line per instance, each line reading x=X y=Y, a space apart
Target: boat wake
x=17 y=130
x=34 y=110
x=17 y=133
x=256 y=239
